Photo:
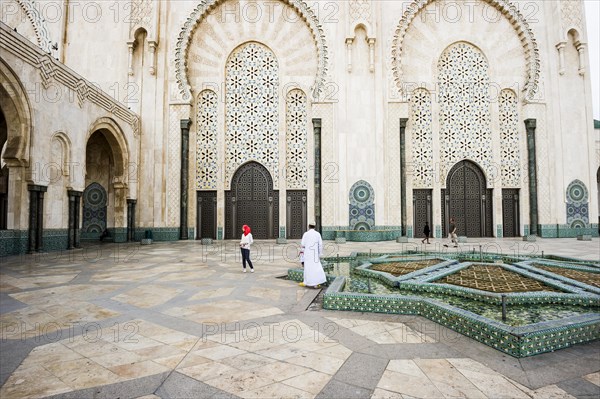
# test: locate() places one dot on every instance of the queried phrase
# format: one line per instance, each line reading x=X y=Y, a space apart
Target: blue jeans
x=246 y=257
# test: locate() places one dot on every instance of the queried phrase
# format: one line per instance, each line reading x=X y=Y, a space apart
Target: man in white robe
x=312 y=246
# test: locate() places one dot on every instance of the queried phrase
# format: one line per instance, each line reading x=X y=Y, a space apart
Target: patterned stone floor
x=181 y=320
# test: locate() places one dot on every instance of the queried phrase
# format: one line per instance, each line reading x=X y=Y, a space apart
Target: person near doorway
x=104 y=235
x=312 y=248
x=452 y=233
x=426 y=232
x=245 y=243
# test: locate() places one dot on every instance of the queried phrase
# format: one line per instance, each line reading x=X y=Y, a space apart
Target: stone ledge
x=281 y=240
x=146 y=241
x=402 y=239
x=206 y=241
x=529 y=238
x=340 y=240
x=462 y=239
x=584 y=237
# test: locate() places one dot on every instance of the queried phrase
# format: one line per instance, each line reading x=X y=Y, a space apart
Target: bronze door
x=422 y=212
x=95 y=201
x=510 y=212
x=468 y=201
x=206 y=215
x=296 y=213
x=252 y=201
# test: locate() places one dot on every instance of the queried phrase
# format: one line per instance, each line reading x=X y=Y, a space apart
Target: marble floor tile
x=311 y=382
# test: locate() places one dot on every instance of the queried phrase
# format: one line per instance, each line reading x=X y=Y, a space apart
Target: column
x=131 y=219
x=371 y=43
x=36 y=217
x=403 y=122
x=74 y=201
x=152 y=45
x=76 y=222
x=130 y=47
x=317 y=134
x=581 y=50
x=183 y=199
x=530 y=125
x=349 y=42
x=561 y=57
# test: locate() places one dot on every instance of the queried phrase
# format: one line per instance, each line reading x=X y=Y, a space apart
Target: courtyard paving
x=181 y=320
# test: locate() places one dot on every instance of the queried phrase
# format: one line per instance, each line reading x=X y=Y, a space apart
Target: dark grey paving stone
x=362 y=370
x=340 y=390
x=121 y=390
x=179 y=386
x=8 y=304
x=410 y=351
x=580 y=388
x=13 y=352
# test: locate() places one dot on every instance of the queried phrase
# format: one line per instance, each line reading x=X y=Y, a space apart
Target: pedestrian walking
x=452 y=233
x=426 y=232
x=312 y=248
x=245 y=244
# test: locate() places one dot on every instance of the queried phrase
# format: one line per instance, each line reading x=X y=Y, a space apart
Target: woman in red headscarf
x=245 y=243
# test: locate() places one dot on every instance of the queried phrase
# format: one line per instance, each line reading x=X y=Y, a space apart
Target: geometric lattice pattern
x=401 y=268
x=494 y=279
x=95 y=200
x=206 y=141
x=509 y=140
x=362 y=206
x=578 y=275
x=577 y=205
x=571 y=14
x=360 y=10
x=140 y=14
x=252 y=85
x=422 y=139
x=465 y=122
x=296 y=140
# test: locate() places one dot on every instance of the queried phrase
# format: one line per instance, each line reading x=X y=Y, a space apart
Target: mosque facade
x=188 y=119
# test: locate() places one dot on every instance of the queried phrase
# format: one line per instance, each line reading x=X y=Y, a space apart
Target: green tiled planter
x=521 y=341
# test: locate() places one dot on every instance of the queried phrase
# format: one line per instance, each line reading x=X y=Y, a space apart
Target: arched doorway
x=105 y=196
x=252 y=201
x=467 y=199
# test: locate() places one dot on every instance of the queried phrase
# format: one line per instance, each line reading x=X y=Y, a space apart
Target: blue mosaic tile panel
x=362 y=206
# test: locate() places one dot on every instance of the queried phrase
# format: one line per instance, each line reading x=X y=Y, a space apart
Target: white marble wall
x=360 y=102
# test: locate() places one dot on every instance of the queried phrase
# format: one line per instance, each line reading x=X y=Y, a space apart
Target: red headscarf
x=246 y=229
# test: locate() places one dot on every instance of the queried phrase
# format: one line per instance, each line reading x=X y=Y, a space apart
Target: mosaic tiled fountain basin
x=550 y=304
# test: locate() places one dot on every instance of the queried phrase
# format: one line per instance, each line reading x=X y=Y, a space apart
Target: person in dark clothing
x=426 y=232
x=104 y=235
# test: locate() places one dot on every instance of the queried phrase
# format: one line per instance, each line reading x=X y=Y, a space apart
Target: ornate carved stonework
x=509 y=140
x=360 y=10
x=296 y=140
x=140 y=14
x=206 y=142
x=252 y=103
x=422 y=139
x=206 y=6
x=54 y=71
x=509 y=10
x=465 y=122
x=571 y=15
x=39 y=25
